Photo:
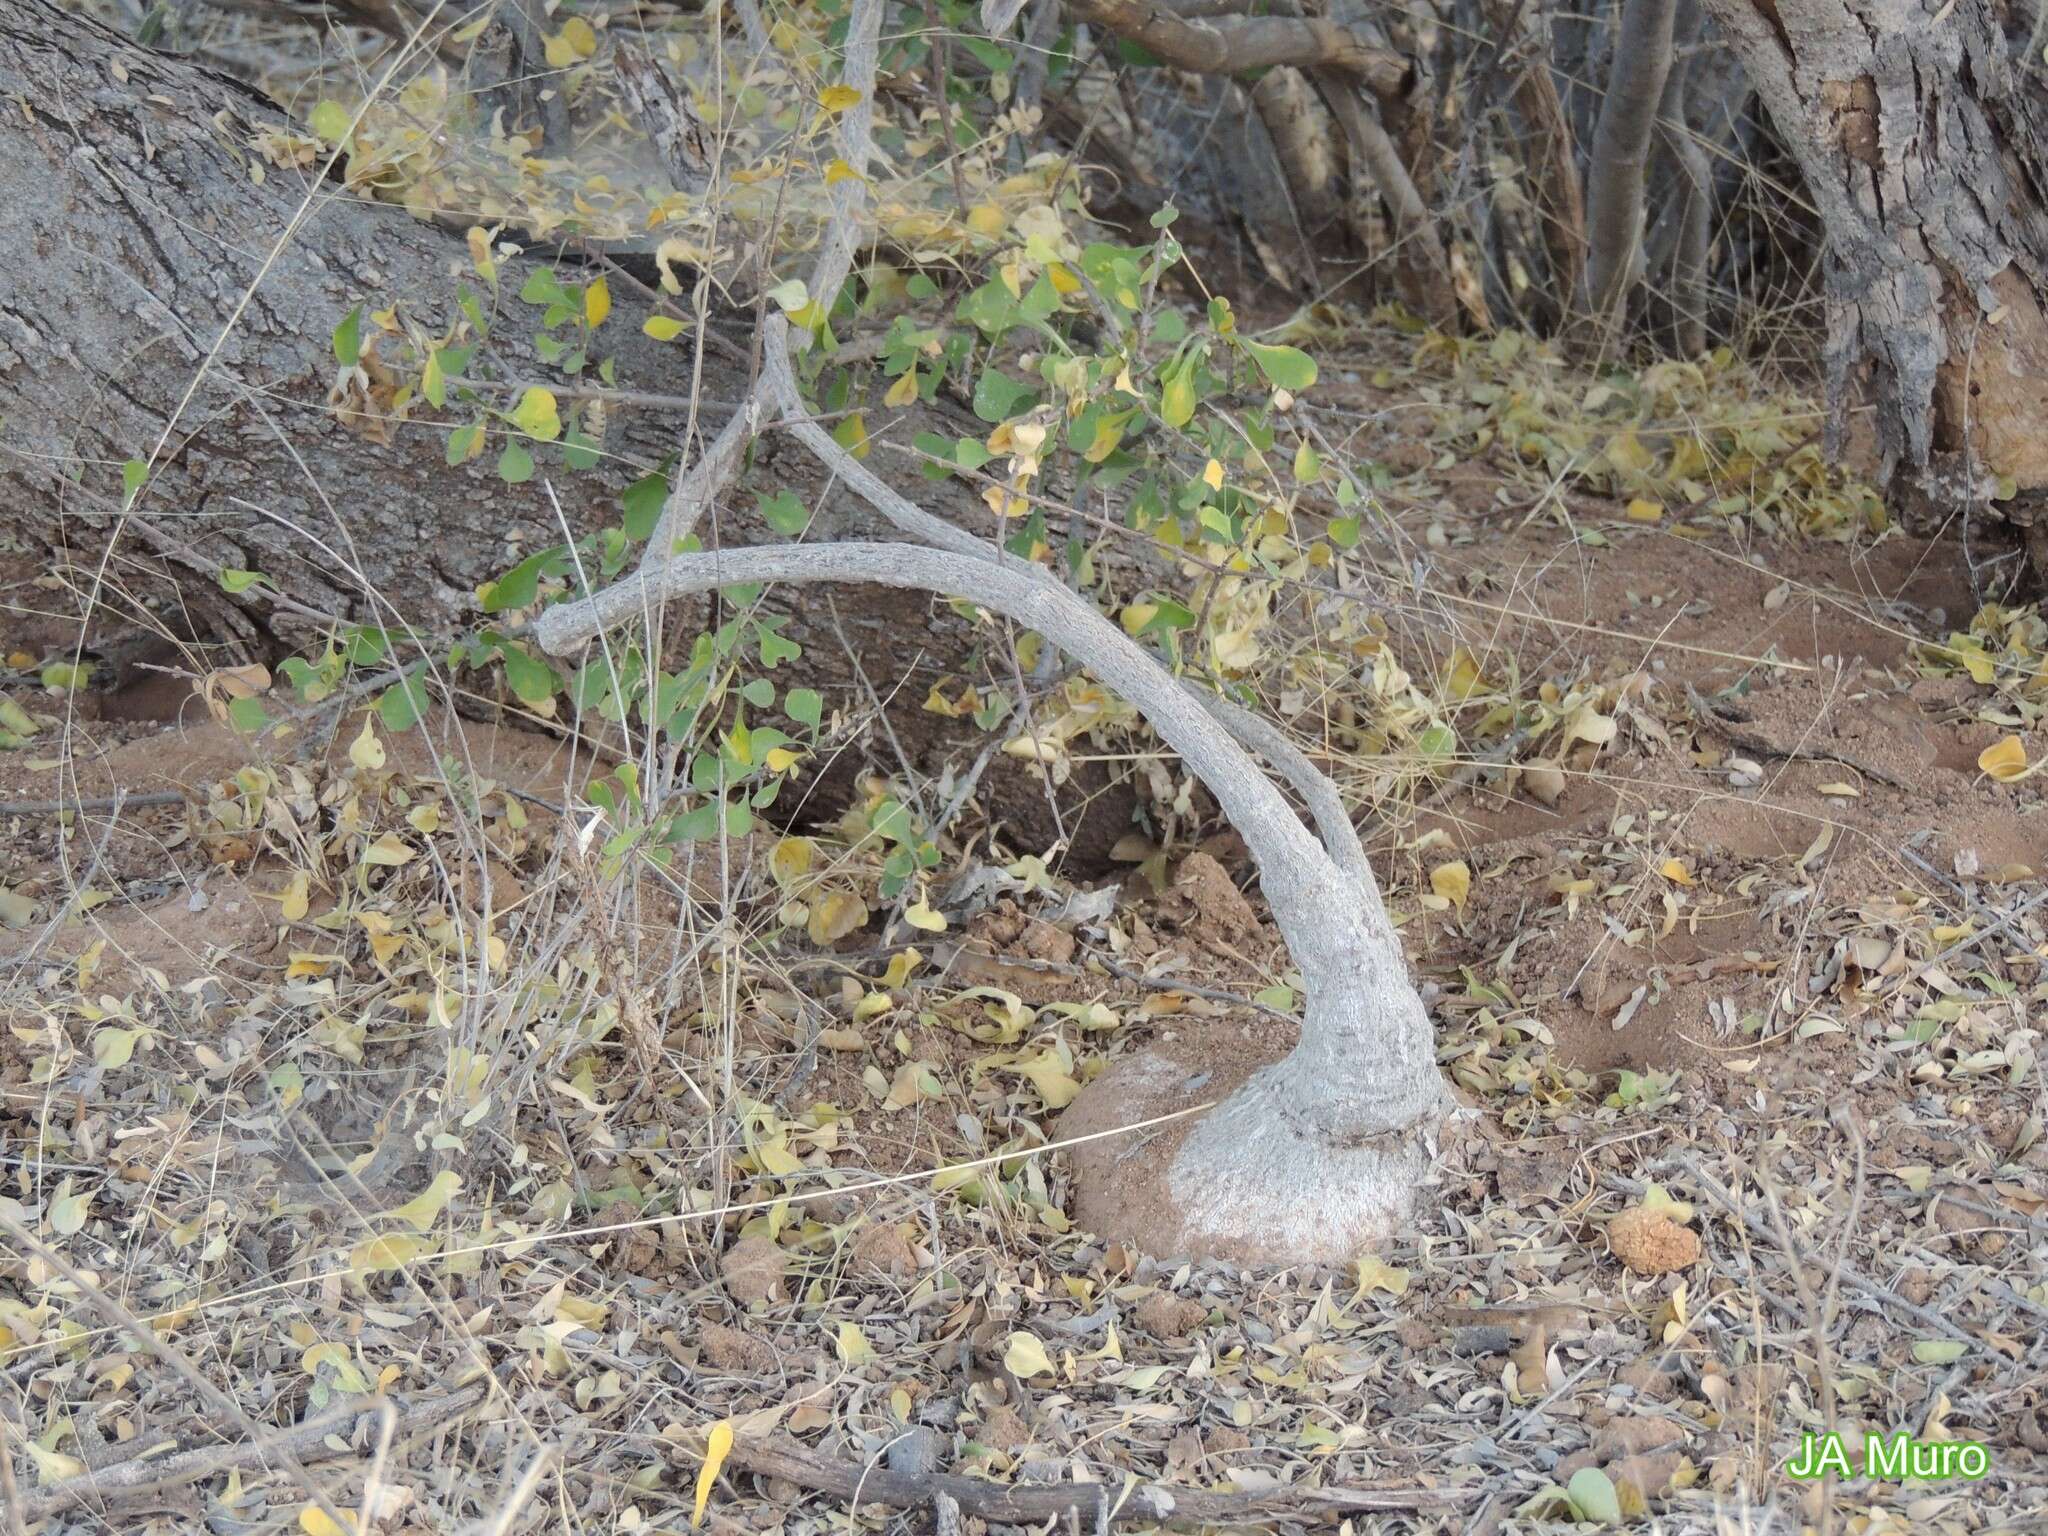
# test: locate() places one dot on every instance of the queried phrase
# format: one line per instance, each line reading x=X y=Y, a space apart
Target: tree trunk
x=1621 y=156
x=144 y=238
x=1922 y=130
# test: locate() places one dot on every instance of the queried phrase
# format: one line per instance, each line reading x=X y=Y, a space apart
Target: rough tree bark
x=132 y=225
x=1921 y=127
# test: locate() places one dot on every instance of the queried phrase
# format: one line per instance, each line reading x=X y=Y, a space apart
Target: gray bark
x=132 y=231
x=1621 y=153
x=1922 y=129
x=1678 y=241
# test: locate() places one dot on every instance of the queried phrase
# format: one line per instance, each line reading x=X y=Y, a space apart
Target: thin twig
x=92 y=803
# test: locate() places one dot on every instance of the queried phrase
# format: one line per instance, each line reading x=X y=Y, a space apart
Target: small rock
x=1633 y=1436
x=1002 y=1429
x=753 y=1269
x=727 y=1349
x=884 y=1250
x=1651 y=1243
x=1643 y=1375
x=1167 y=1316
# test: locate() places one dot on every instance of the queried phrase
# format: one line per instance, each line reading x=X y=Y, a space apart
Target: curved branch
x=1290 y=862
x=1235 y=45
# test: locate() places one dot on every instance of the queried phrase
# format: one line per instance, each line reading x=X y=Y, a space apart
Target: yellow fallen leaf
x=901 y=964
x=366 y=751
x=2005 y=759
x=1212 y=475
x=790 y=859
x=903 y=391
x=662 y=327
x=424 y=1208
x=1026 y=1357
x=1675 y=871
x=924 y=919
x=53 y=1466
x=315 y=1521
x=1376 y=1274
x=1453 y=882
x=1642 y=510
x=718 y=1446
x=837 y=915
x=853 y=1345
x=837 y=98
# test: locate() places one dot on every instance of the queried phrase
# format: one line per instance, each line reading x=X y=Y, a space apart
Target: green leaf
x=465 y=443
x=329 y=122
x=998 y=397
x=696 y=824
x=401 y=705
x=580 y=450
x=533 y=681
x=642 y=505
x=367 y=645
x=784 y=513
x=247 y=715
x=234 y=583
x=515 y=464
x=1437 y=743
x=1593 y=1497
x=758 y=692
x=804 y=706
x=134 y=475
x=1177 y=396
x=348 y=338
x=1284 y=367
x=519 y=586
x=542 y=288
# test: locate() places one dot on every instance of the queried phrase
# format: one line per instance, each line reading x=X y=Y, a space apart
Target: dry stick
x=10 y=1490
x=942 y=54
x=141 y=1476
x=1726 y=1199
x=1104 y=1504
x=122 y=1318
x=92 y=803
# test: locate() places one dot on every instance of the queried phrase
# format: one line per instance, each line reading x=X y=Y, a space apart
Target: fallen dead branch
x=1105 y=1504
x=141 y=1476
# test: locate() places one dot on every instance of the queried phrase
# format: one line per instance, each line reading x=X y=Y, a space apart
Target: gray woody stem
x=1334 y=925
x=1621 y=154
